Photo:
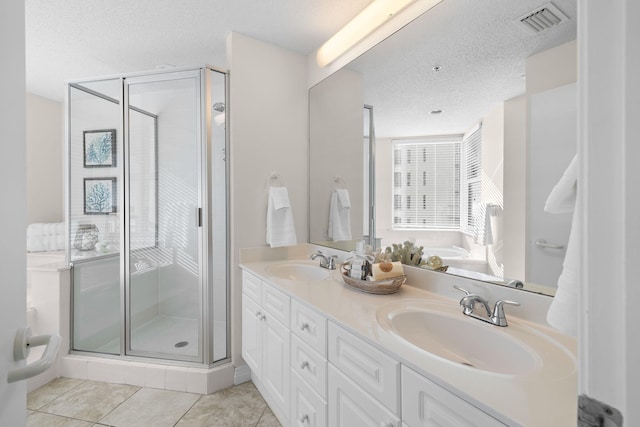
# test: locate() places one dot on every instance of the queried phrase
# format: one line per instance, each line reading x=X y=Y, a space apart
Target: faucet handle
x=498 y=317
x=460 y=289
x=331 y=262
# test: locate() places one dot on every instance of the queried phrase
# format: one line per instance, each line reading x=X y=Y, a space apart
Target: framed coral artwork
x=100 y=196
x=99 y=148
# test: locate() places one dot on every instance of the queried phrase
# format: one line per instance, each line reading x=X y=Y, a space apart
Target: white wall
x=45 y=176
x=515 y=197
x=13 y=194
x=269 y=132
x=336 y=150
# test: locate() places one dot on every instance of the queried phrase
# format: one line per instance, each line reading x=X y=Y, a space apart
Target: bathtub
x=458 y=258
x=452 y=252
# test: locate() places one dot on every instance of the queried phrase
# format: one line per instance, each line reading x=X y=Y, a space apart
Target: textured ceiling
x=481 y=51
x=69 y=39
x=482 y=54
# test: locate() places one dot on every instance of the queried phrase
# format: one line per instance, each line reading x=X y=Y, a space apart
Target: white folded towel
x=563 y=312
x=343 y=198
x=43 y=237
x=280 y=197
x=339 y=216
x=280 y=227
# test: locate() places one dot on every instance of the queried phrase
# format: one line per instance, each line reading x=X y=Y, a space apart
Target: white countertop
x=528 y=400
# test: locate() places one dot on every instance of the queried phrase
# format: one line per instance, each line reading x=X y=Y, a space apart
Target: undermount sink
x=441 y=330
x=298 y=270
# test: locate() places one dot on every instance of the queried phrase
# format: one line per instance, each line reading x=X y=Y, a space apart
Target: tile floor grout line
x=264 y=411
x=62 y=416
x=58 y=396
x=119 y=404
x=187 y=411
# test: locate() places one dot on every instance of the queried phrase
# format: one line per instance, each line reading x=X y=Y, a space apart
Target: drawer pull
x=304 y=419
x=258 y=314
x=304 y=326
x=304 y=365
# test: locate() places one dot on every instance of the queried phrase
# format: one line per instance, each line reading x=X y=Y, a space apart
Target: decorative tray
x=379 y=287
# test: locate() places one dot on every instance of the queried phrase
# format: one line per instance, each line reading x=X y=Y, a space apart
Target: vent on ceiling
x=543 y=18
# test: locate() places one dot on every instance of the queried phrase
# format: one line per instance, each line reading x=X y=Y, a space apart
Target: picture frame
x=100 y=196
x=99 y=148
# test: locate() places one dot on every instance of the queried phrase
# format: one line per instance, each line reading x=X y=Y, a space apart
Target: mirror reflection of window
x=432 y=202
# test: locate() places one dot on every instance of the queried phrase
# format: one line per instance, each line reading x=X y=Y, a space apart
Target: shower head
x=219 y=106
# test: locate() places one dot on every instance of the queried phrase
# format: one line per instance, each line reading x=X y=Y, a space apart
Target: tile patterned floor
x=66 y=402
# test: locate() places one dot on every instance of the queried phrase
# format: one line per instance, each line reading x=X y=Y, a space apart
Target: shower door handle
x=198 y=217
x=21 y=346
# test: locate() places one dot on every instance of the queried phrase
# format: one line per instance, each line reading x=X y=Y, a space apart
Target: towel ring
x=275 y=180
x=339 y=183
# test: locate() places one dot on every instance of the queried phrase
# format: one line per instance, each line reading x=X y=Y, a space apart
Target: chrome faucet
x=495 y=316
x=328 y=262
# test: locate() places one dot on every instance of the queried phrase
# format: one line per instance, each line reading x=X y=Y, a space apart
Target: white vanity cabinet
x=266 y=339
x=426 y=404
x=314 y=372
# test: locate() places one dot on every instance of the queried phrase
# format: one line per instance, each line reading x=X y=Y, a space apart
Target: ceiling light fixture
x=372 y=17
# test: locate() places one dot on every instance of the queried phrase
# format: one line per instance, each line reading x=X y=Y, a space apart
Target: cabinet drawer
x=350 y=406
x=276 y=304
x=426 y=404
x=309 y=365
x=367 y=366
x=307 y=408
x=252 y=287
x=310 y=327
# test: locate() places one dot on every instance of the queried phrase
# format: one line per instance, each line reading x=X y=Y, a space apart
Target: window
x=471 y=180
x=397 y=179
x=436 y=203
x=397 y=201
x=397 y=157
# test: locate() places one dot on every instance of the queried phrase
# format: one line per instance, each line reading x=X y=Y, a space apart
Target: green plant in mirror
x=407 y=253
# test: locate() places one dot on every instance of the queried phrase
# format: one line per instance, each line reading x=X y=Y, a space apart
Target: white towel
x=280 y=197
x=43 y=237
x=343 y=198
x=563 y=312
x=484 y=229
x=280 y=228
x=339 y=216
x=562 y=198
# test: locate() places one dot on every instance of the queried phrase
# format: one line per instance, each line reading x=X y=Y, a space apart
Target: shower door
x=163 y=231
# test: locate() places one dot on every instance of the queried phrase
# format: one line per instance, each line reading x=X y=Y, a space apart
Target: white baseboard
x=242 y=374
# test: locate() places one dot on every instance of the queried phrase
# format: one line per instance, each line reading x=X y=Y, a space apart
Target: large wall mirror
x=470 y=123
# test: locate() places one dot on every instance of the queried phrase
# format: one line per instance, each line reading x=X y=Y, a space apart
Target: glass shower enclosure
x=147 y=215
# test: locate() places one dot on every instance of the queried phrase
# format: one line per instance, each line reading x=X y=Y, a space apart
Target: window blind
x=426 y=191
x=471 y=181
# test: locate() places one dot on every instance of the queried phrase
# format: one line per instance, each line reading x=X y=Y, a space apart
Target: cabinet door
x=252 y=286
x=308 y=409
x=367 y=366
x=252 y=334
x=309 y=365
x=424 y=403
x=310 y=326
x=276 y=361
x=350 y=406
